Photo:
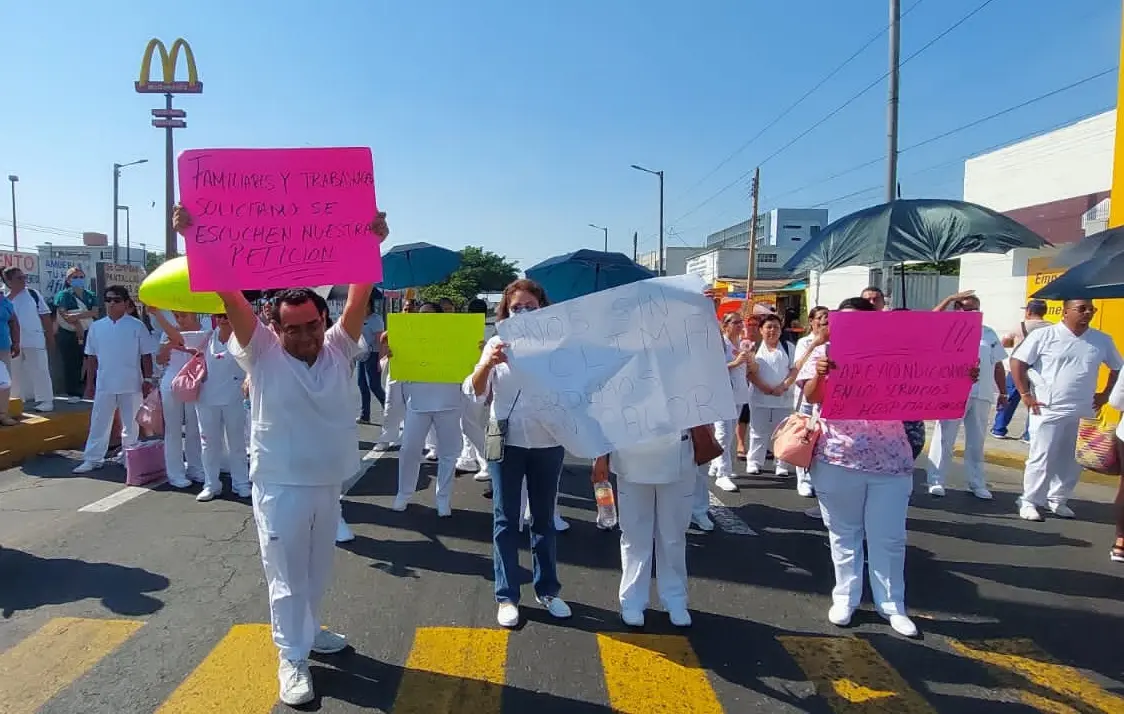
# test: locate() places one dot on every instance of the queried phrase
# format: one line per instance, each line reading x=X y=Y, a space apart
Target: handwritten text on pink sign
x=901 y=365
x=276 y=218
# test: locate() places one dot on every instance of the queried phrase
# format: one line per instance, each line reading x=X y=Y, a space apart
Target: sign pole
x=169 y=186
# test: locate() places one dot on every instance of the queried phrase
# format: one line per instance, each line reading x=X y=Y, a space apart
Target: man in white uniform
x=989 y=389
x=120 y=350
x=31 y=372
x=1055 y=370
x=304 y=444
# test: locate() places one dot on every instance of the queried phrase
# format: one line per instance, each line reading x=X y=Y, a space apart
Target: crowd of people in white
x=268 y=412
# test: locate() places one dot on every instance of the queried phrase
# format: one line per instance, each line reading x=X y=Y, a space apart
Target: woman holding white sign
x=722 y=468
x=518 y=447
x=862 y=472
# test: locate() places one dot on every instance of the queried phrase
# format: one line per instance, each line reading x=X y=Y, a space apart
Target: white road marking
x=725 y=518
x=114 y=500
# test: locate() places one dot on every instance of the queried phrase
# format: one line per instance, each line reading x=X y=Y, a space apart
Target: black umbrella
x=927 y=230
x=1105 y=244
x=1099 y=277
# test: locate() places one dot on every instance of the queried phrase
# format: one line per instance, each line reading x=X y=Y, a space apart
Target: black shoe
x=488 y=493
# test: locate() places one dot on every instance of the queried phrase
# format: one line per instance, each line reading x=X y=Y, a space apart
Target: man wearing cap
x=1034 y=319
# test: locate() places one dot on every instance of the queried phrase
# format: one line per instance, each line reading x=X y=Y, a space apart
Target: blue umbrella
x=582 y=272
x=417 y=264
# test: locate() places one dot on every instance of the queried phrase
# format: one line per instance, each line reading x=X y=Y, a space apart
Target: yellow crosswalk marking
x=1048 y=678
x=239 y=676
x=655 y=674
x=853 y=678
x=453 y=669
x=54 y=657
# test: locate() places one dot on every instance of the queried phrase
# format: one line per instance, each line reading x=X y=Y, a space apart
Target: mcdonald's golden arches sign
x=167 y=83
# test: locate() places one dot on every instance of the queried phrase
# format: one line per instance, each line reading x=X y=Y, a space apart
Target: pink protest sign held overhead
x=903 y=365
x=277 y=218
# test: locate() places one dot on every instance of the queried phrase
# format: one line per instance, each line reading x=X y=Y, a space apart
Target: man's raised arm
x=358 y=295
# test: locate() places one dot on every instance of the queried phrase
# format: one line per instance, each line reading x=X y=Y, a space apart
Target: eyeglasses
x=517 y=309
x=112 y=299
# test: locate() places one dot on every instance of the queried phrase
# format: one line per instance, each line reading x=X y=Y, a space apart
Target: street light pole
x=116 y=204
x=602 y=228
x=128 y=237
x=892 y=134
x=660 y=174
x=12 y=178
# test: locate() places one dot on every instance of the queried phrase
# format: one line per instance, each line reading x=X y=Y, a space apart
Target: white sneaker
x=207 y=495
x=556 y=606
x=753 y=470
x=44 y=407
x=782 y=472
x=507 y=615
x=724 y=483
x=431 y=454
x=1061 y=510
x=400 y=503
x=74 y=400
x=902 y=625
x=468 y=465
x=343 y=532
x=328 y=642
x=702 y=520
x=814 y=512
x=1028 y=512
x=805 y=489
x=560 y=524
x=179 y=483
x=632 y=618
x=244 y=491
x=840 y=615
x=680 y=617
x=936 y=490
x=296 y=682
x=981 y=493
x=86 y=467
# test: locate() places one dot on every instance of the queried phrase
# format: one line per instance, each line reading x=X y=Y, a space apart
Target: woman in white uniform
x=222 y=415
x=394 y=410
x=770 y=400
x=437 y=406
x=722 y=468
x=181 y=426
x=655 y=494
x=817 y=322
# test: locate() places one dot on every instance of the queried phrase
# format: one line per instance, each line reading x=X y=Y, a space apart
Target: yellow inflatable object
x=166 y=288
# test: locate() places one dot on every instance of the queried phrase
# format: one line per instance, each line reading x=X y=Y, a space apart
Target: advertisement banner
x=27 y=262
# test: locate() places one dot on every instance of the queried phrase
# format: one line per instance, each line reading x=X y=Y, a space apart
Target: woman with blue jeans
x=530 y=453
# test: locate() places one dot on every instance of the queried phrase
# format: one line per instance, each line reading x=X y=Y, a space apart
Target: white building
x=674 y=258
x=780 y=233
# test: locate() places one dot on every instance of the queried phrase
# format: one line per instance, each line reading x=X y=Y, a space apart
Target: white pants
x=180 y=418
x=763 y=422
x=944 y=437
x=101 y=422
x=726 y=434
x=297 y=537
x=222 y=428
x=1051 y=471
x=31 y=377
x=654 y=519
x=474 y=422
x=857 y=505
x=447 y=424
x=393 y=414
x=701 y=496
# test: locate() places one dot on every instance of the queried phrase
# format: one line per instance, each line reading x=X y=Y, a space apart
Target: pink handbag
x=188 y=381
x=794 y=440
x=150 y=416
x=144 y=463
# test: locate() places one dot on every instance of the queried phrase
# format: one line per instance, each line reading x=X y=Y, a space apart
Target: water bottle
x=606 y=505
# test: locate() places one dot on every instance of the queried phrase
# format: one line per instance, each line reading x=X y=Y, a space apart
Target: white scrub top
x=665 y=459
x=773 y=367
x=223 y=385
x=28 y=311
x=177 y=359
x=303 y=433
x=432 y=396
x=1064 y=367
x=991 y=353
x=524 y=429
x=738 y=379
x=119 y=347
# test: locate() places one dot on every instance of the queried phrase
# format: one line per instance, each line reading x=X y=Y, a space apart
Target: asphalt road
x=158 y=604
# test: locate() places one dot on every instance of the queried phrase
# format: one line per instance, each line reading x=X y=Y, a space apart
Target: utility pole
x=12 y=178
x=635 y=245
x=752 y=263
x=892 y=124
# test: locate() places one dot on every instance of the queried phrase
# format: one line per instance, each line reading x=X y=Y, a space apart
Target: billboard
x=27 y=262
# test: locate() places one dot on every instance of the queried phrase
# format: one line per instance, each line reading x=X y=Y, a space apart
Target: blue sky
x=512 y=125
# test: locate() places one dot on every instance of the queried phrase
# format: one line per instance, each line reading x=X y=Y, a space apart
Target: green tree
x=153 y=261
x=481 y=271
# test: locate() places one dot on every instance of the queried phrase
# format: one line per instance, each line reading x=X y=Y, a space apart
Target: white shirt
x=223 y=385
x=303 y=432
x=372 y=326
x=524 y=429
x=31 y=326
x=1064 y=366
x=177 y=359
x=1116 y=401
x=773 y=367
x=118 y=346
x=665 y=459
x=432 y=396
x=738 y=378
x=991 y=353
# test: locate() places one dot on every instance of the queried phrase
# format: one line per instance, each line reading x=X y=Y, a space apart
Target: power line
x=839 y=68
x=837 y=110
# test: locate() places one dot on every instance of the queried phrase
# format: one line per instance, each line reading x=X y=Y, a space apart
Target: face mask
x=78 y=283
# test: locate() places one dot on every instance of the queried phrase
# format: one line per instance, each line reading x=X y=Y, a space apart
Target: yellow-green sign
x=434 y=347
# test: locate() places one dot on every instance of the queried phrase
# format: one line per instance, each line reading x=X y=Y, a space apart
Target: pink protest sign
x=902 y=365
x=277 y=218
